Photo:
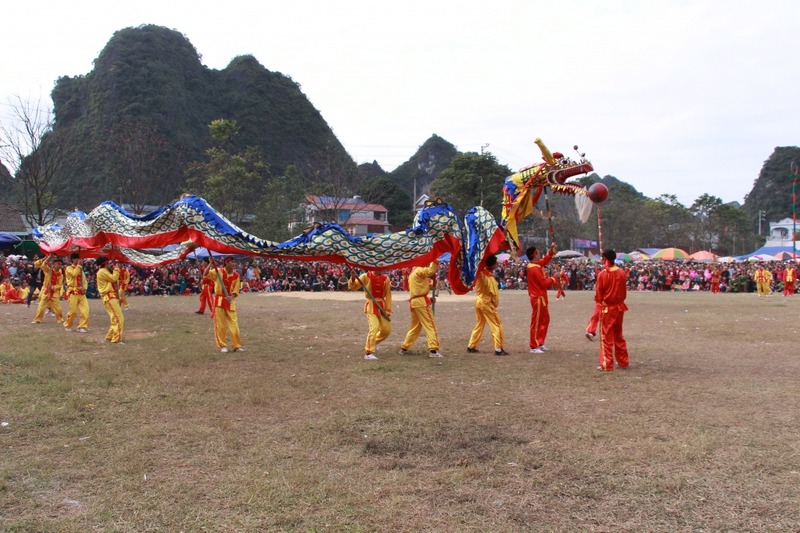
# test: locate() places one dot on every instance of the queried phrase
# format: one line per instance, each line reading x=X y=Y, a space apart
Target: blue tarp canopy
x=771 y=250
x=8 y=239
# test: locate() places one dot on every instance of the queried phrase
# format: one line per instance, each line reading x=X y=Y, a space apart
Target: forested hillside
x=146 y=107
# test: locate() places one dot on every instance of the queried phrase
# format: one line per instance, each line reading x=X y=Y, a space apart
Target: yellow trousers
x=116 y=319
x=379 y=329
x=123 y=299
x=78 y=304
x=49 y=301
x=422 y=318
x=763 y=288
x=225 y=321
x=486 y=314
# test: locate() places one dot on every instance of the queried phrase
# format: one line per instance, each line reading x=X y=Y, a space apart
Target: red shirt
x=611 y=288
x=537 y=281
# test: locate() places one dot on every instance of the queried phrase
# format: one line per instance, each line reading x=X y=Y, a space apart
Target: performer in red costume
x=789 y=280
x=538 y=284
x=610 y=294
x=560 y=280
x=716 y=275
x=206 y=291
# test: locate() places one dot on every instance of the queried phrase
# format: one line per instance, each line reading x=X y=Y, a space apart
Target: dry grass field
x=299 y=433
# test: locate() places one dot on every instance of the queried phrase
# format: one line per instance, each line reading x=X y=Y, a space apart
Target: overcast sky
x=677 y=97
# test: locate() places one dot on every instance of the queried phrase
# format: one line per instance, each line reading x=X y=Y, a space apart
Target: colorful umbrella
x=568 y=254
x=703 y=256
x=505 y=256
x=639 y=256
x=671 y=254
x=726 y=259
x=761 y=257
x=786 y=256
x=623 y=257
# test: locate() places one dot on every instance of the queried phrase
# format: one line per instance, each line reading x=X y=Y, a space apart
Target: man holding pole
x=538 y=284
x=206 y=291
x=76 y=295
x=107 y=279
x=378 y=307
x=50 y=295
x=486 y=301
x=421 y=312
x=610 y=293
x=227 y=285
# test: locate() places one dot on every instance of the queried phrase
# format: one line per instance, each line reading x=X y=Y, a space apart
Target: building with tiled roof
x=12 y=221
x=353 y=214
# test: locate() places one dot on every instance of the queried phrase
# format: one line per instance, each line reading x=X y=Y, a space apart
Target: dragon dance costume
x=50 y=295
x=76 y=295
x=487 y=298
x=610 y=293
x=107 y=287
x=227 y=286
x=538 y=284
x=420 y=307
x=377 y=308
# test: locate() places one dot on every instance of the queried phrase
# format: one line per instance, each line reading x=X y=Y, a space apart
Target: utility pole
x=793 y=169
x=484 y=146
x=762 y=215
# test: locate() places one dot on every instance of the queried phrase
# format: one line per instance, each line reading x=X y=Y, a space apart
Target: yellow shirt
x=418 y=284
x=75 y=279
x=233 y=286
x=106 y=281
x=385 y=299
x=486 y=289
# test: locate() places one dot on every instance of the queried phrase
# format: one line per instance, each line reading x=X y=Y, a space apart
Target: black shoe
x=199 y=313
x=472 y=350
x=501 y=352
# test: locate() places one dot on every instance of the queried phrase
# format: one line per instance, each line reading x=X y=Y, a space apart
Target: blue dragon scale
x=190 y=222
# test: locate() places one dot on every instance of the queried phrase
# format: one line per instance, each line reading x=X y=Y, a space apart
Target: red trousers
x=612 y=342
x=540 y=321
x=206 y=298
x=591 y=326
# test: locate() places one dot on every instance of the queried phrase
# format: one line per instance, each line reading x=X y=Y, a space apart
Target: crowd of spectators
x=273 y=275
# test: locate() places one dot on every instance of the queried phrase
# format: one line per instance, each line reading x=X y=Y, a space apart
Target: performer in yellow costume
x=124 y=283
x=378 y=307
x=421 y=313
x=763 y=279
x=76 y=295
x=107 y=280
x=10 y=293
x=486 y=301
x=227 y=286
x=50 y=295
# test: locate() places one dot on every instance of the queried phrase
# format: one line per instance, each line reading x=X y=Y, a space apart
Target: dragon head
x=522 y=189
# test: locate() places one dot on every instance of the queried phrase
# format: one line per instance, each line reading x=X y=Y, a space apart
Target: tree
x=472 y=179
x=704 y=231
x=385 y=192
x=275 y=214
x=143 y=164
x=731 y=225
x=669 y=222
x=332 y=185
x=233 y=183
x=37 y=156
